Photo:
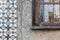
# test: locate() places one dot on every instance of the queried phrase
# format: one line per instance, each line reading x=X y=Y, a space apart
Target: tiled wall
x=8 y=20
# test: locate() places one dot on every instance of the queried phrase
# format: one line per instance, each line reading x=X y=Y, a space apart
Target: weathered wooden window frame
x=36 y=17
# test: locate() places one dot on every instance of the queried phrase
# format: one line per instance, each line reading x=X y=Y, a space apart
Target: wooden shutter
x=37 y=12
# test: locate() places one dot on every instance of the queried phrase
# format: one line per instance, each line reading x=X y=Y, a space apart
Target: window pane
x=56 y=0
x=46 y=0
x=41 y=0
x=42 y=11
x=50 y=13
x=47 y=9
x=50 y=1
x=57 y=13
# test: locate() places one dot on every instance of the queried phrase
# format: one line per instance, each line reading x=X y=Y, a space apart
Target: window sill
x=45 y=27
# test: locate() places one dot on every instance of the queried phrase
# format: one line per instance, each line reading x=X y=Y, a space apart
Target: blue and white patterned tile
x=8 y=19
x=13 y=23
x=12 y=38
x=13 y=32
x=3 y=32
x=3 y=38
x=13 y=3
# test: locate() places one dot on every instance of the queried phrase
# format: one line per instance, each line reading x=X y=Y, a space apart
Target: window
x=46 y=13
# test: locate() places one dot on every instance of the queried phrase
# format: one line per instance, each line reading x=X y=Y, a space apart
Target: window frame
x=36 y=17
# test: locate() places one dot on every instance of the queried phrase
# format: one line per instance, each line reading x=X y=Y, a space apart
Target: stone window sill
x=45 y=27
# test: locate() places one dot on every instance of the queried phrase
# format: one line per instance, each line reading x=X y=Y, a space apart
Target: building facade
x=25 y=24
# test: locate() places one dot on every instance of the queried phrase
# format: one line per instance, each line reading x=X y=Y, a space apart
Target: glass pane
x=41 y=11
x=57 y=13
x=41 y=0
x=46 y=0
x=56 y=0
x=51 y=1
x=50 y=13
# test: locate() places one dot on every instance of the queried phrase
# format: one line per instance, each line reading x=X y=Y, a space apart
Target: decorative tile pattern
x=8 y=20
